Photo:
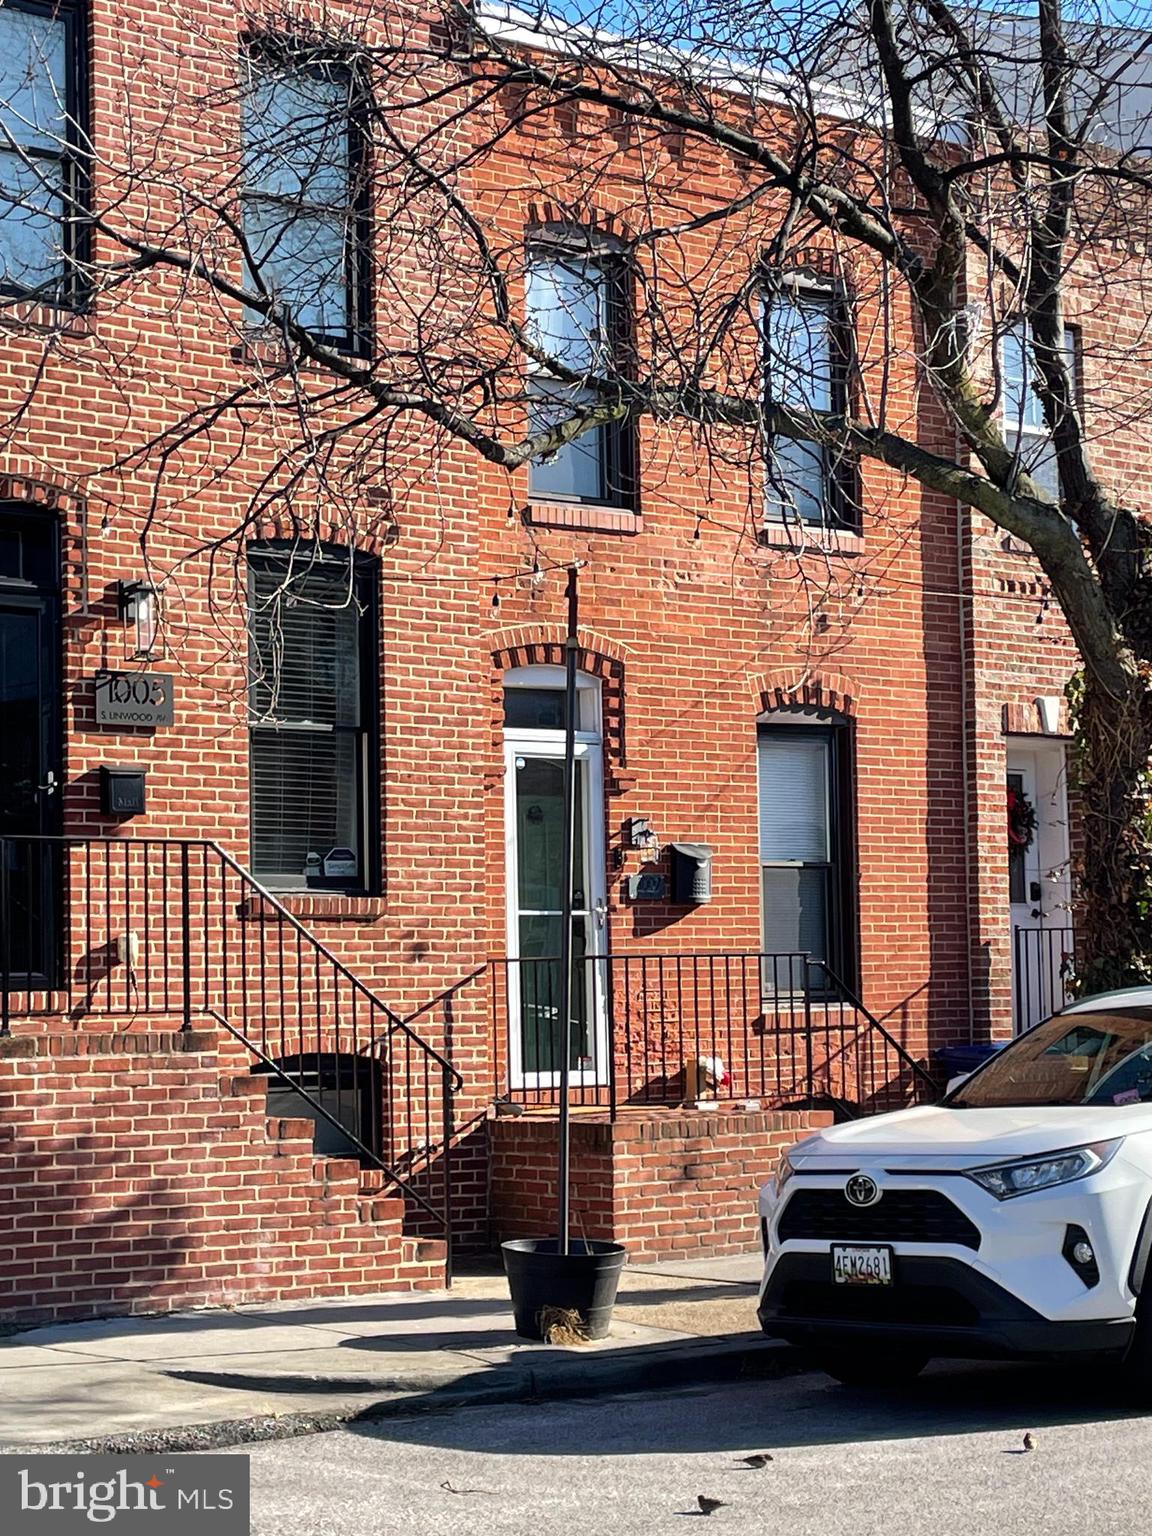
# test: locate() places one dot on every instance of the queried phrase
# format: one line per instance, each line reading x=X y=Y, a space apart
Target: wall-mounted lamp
x=137 y=604
x=1049 y=707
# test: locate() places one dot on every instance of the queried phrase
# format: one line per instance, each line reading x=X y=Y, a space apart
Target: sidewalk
x=196 y=1379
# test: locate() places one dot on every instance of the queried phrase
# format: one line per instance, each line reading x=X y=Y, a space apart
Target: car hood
x=983 y=1135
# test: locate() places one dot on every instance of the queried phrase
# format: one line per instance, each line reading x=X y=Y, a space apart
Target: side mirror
x=954 y=1082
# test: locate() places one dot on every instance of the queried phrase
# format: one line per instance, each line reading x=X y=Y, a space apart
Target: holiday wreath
x=1021 y=821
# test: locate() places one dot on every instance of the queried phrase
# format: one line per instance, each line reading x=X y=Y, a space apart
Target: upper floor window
x=39 y=149
x=575 y=313
x=806 y=349
x=311 y=697
x=1025 y=428
x=305 y=216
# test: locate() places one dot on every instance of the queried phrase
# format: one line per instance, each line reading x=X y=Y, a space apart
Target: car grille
x=914 y=1305
x=899 y=1216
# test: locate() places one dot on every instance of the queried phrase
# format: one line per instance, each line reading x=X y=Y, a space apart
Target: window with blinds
x=311 y=672
x=801 y=846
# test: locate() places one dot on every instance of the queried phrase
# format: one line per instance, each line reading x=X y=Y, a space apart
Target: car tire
x=875 y=1367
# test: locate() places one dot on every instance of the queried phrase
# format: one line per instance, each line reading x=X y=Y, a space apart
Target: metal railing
x=1043 y=968
x=673 y=1028
x=178 y=933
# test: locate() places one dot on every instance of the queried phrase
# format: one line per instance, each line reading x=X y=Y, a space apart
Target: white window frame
x=590 y=752
x=1031 y=442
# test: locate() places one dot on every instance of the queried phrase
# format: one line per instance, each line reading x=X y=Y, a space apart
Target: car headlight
x=784 y=1171
x=1007 y=1180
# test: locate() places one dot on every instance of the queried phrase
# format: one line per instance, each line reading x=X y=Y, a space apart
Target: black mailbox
x=122 y=791
x=691 y=874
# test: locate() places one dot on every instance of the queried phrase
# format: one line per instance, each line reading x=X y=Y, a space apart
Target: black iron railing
x=1043 y=968
x=178 y=933
x=675 y=1028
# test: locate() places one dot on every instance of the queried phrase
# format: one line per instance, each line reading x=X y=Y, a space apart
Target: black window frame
x=69 y=291
x=841 y=509
x=843 y=914
x=617 y=456
x=365 y=576
x=290 y=57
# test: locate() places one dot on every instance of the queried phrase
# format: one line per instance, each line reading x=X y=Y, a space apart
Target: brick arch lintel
x=811 y=690
x=581 y=214
x=544 y=646
x=378 y=532
x=37 y=490
x=599 y=657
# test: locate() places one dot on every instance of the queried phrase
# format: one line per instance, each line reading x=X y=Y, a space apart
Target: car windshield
x=1086 y=1058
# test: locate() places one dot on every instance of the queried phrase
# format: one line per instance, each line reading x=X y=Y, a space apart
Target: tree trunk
x=1112 y=785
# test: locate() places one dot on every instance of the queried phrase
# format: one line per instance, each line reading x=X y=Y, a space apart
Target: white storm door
x=534 y=822
x=1039 y=886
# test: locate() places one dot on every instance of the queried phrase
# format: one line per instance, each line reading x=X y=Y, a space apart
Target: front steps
x=142 y=1173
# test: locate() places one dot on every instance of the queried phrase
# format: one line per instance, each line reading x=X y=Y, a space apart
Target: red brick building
x=276 y=986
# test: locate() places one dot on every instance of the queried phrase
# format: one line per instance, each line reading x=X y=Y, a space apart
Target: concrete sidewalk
x=196 y=1379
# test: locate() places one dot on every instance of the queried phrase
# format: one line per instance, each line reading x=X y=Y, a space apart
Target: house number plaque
x=134 y=698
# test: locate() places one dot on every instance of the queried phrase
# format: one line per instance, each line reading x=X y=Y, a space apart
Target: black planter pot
x=583 y=1280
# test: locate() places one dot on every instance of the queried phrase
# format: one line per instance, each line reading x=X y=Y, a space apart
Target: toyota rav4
x=1012 y=1220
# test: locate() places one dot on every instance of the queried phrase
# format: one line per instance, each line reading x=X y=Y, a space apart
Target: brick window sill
x=330 y=906
x=803 y=540
x=582 y=515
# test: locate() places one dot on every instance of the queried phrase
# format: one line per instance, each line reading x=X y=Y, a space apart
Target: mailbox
x=122 y=791
x=691 y=874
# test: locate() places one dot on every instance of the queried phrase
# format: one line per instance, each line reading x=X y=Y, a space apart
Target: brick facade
x=150 y=1177
x=140 y=1173
x=677 y=1186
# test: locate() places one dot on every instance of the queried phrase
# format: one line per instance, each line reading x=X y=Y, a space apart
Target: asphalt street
x=942 y=1456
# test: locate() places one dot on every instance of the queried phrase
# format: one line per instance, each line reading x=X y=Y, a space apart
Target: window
x=305 y=217
x=40 y=181
x=805 y=838
x=806 y=349
x=575 y=314
x=311 y=646
x=1025 y=429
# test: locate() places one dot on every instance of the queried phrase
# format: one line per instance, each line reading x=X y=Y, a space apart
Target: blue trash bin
x=965 y=1058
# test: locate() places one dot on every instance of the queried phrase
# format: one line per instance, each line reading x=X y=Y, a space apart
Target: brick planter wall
x=669 y=1185
x=142 y=1173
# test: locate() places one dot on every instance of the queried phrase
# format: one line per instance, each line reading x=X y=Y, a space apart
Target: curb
x=666 y=1368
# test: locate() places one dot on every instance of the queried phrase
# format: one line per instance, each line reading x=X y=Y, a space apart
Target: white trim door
x=1040 y=884
x=533 y=821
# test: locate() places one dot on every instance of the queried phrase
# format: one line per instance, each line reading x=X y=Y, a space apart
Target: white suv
x=1013 y=1219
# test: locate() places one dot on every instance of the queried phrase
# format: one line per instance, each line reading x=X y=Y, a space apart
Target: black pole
x=567 y=849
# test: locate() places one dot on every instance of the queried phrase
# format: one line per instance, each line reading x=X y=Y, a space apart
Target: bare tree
x=338 y=194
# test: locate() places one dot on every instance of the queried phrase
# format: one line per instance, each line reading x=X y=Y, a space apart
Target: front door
x=535 y=823
x=29 y=749
x=1038 y=880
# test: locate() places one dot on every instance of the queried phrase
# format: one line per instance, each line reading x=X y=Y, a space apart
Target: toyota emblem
x=861 y=1190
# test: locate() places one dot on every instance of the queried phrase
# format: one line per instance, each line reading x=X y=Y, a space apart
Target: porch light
x=137 y=602
x=1049 y=706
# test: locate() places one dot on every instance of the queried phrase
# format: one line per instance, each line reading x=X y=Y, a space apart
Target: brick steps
x=149 y=1177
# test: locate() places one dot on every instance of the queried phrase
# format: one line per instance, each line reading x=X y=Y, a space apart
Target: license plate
x=862 y=1266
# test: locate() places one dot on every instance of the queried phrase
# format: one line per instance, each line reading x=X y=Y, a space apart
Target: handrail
x=166 y=927
x=246 y=875
x=395 y=1021
x=315 y=1104
x=668 y=1026
x=860 y=1006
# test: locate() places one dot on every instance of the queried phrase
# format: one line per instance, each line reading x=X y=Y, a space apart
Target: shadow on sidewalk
x=952 y=1398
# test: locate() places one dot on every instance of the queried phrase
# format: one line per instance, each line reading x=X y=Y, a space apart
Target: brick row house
x=281 y=775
